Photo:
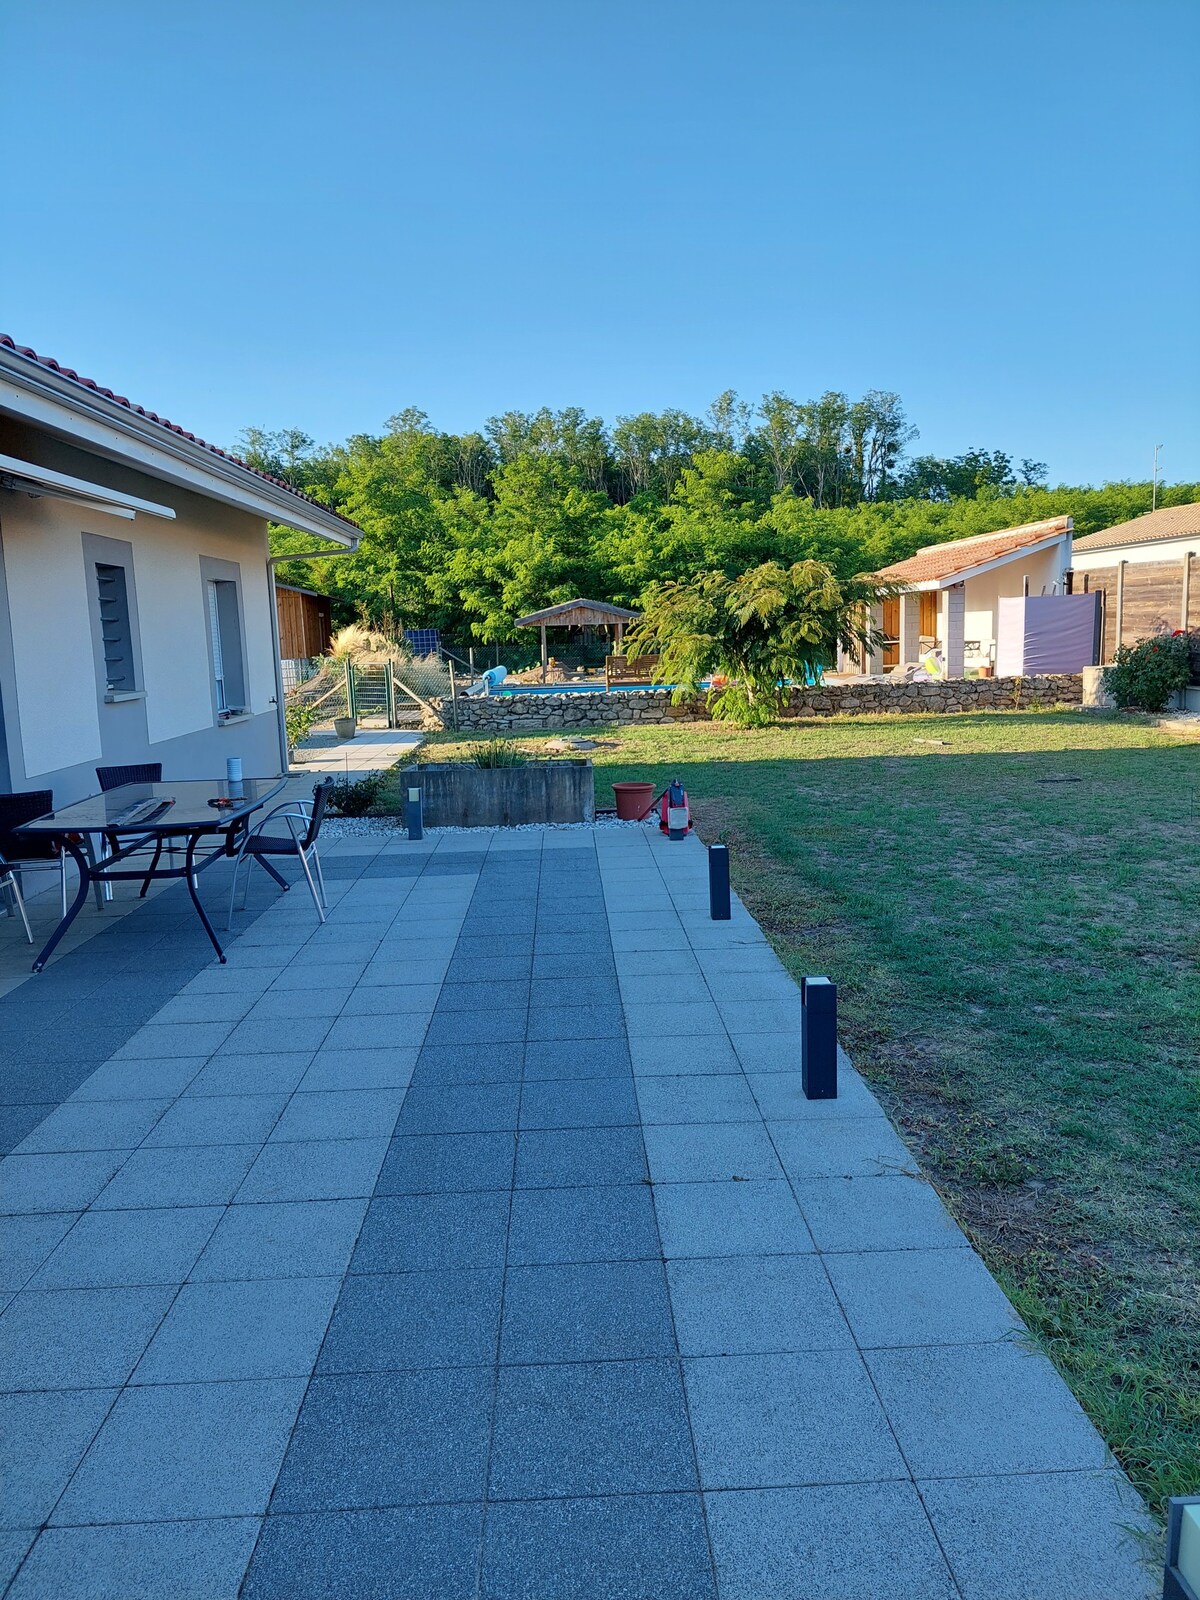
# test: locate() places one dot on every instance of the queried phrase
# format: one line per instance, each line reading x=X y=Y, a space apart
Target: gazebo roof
x=577 y=614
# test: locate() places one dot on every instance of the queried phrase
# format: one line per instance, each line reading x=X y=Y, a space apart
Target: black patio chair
x=11 y=890
x=300 y=843
x=134 y=772
x=23 y=853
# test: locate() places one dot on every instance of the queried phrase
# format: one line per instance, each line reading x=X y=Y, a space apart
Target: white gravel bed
x=374 y=827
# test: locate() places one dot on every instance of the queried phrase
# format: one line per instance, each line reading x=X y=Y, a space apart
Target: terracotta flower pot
x=633 y=799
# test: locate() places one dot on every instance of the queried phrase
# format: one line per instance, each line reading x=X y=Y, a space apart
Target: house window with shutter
x=116 y=631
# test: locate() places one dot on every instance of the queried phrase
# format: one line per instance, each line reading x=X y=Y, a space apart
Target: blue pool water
x=598 y=688
x=576 y=688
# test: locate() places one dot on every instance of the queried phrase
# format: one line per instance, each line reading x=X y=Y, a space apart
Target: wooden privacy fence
x=1141 y=598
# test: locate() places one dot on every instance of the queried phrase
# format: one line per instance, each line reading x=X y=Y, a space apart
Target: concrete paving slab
x=1045 y=1533
x=766 y=1421
x=750 y=1305
x=880 y=1213
x=182 y=1451
x=590 y=1311
x=692 y=1098
x=653 y=1544
x=386 y=1439
x=559 y=1158
x=841 y=1147
x=809 y=1544
x=448 y=1163
x=920 y=1297
x=405 y=1553
x=718 y=1151
x=207 y=1175
x=45 y=1435
x=282 y=1239
x=201 y=1560
x=979 y=1409
x=325 y=1169
x=26 y=1241
x=599 y=1224
x=257 y=1328
x=616 y=1427
x=385 y=1322
x=78 y=1338
x=730 y=1219
x=115 y=1248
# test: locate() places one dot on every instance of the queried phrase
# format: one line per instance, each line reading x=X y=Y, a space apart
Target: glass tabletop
x=135 y=807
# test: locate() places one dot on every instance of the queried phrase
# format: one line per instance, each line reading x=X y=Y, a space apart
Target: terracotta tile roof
x=8 y=343
x=938 y=562
x=1172 y=522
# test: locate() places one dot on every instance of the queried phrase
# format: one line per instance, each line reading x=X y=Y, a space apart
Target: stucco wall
x=1043 y=570
x=531 y=712
x=61 y=727
x=1152 y=550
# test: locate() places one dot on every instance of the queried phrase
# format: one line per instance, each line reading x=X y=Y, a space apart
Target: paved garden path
x=482 y=1244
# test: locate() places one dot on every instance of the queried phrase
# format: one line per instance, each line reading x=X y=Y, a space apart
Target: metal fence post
x=818 y=1039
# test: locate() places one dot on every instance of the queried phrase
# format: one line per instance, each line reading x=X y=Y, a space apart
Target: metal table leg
x=76 y=906
x=190 y=868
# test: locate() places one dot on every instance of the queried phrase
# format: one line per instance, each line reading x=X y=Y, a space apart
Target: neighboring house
x=951 y=593
x=1148 y=570
x=305 y=630
x=137 y=620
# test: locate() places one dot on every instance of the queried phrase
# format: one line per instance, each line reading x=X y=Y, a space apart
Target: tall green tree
x=755 y=633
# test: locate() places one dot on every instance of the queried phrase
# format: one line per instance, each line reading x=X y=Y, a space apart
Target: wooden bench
x=629 y=669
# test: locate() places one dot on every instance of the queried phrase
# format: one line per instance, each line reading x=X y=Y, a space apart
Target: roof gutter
x=35 y=393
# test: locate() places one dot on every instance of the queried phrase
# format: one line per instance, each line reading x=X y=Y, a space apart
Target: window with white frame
x=225 y=640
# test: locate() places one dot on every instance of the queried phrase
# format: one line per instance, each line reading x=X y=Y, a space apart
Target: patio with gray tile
x=481 y=1243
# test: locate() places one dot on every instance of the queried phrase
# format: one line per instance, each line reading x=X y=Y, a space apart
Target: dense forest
x=466 y=532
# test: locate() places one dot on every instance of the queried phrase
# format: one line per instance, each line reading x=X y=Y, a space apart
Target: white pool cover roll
x=1046 y=633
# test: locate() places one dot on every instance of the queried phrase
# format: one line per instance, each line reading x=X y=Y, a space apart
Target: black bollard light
x=718 y=883
x=818 y=1043
x=412 y=814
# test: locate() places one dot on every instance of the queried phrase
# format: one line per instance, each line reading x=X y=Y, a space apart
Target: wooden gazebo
x=578 y=614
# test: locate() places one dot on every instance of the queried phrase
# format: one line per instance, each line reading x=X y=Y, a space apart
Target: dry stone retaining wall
x=527 y=713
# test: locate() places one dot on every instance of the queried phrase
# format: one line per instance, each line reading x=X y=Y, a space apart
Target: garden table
x=206 y=814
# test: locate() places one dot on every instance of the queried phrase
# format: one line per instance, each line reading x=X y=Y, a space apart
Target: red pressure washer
x=675 y=817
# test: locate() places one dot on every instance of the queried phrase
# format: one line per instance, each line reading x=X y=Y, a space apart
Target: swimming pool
x=598 y=688
x=581 y=688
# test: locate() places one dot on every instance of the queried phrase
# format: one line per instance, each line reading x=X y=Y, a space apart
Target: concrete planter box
x=455 y=794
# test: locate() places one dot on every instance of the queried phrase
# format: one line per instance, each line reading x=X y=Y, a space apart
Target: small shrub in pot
x=1144 y=676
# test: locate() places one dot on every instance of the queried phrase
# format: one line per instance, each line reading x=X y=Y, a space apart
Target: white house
x=1148 y=570
x=951 y=593
x=137 y=613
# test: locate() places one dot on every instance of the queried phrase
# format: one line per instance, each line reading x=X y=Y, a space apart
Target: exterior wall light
x=1181 y=1581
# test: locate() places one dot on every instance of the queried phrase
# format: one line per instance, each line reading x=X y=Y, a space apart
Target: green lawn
x=1010 y=904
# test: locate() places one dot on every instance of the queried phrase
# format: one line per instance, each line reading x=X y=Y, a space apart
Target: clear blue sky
x=314 y=215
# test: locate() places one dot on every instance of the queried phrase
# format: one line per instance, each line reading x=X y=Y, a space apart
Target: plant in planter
x=1144 y=676
x=496 y=753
